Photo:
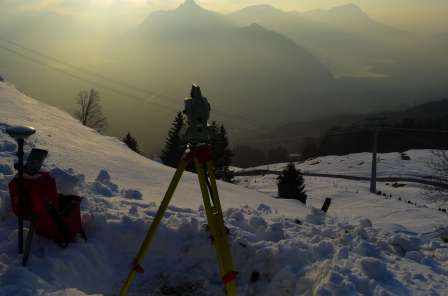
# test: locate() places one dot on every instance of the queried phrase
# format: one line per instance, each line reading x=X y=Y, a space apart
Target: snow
x=280 y=247
x=359 y=164
x=406 y=207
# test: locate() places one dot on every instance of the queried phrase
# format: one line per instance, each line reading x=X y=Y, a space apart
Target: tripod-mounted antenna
x=20 y=134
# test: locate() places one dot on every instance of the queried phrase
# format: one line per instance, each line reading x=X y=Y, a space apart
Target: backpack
x=54 y=216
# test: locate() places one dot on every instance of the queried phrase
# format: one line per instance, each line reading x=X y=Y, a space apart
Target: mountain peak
x=350 y=8
x=189 y=4
x=261 y=7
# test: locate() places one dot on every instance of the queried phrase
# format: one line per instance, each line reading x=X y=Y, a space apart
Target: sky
x=413 y=15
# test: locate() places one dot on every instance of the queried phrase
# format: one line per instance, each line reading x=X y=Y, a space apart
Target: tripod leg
x=155 y=223
x=29 y=240
x=214 y=187
x=217 y=229
x=20 y=238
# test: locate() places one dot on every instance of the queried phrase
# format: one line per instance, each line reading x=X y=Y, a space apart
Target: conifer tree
x=227 y=153
x=291 y=183
x=131 y=142
x=175 y=144
x=222 y=154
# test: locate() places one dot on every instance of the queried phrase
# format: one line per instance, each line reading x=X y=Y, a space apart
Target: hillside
x=428 y=115
x=279 y=246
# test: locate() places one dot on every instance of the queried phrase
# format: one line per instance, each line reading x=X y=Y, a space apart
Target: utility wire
x=116 y=82
x=102 y=85
x=159 y=95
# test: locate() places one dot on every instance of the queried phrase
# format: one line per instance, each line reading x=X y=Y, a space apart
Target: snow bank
x=273 y=256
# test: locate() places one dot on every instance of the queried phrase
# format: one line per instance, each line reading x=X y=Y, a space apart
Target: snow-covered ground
x=351 y=200
x=359 y=164
x=280 y=247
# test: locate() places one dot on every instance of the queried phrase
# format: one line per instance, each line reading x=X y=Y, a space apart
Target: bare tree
x=89 y=112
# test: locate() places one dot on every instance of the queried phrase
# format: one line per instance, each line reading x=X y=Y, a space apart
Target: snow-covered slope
x=72 y=145
x=405 y=204
x=359 y=164
x=280 y=247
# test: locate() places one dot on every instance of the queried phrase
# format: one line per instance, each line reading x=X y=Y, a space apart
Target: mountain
x=261 y=66
x=351 y=18
x=329 y=34
x=240 y=66
x=187 y=18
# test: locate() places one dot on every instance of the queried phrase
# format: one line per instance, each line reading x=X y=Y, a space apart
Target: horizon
x=409 y=15
x=340 y=58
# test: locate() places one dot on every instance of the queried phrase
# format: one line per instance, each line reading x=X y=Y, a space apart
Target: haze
x=263 y=64
x=414 y=15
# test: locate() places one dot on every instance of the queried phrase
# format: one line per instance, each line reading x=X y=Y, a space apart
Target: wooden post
x=326 y=205
x=374 y=157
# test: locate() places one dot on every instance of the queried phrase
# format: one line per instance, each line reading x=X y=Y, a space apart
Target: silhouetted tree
x=291 y=184
x=222 y=154
x=131 y=142
x=89 y=112
x=175 y=144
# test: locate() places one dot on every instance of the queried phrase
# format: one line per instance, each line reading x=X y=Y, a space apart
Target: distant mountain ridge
x=239 y=65
x=344 y=38
x=352 y=18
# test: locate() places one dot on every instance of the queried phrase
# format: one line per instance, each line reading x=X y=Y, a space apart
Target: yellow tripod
x=202 y=158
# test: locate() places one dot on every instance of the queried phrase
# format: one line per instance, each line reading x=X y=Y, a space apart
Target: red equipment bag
x=56 y=217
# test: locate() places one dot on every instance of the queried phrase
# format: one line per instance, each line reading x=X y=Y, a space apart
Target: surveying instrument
x=20 y=134
x=199 y=152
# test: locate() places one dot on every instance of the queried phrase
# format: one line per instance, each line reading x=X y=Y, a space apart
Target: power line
x=124 y=84
x=106 y=87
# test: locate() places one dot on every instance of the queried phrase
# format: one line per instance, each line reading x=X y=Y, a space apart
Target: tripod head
x=197 y=110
